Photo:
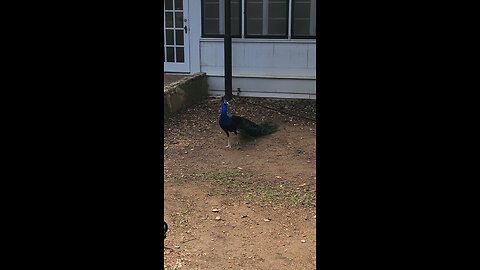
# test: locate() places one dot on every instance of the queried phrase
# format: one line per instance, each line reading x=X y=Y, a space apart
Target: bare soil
x=252 y=206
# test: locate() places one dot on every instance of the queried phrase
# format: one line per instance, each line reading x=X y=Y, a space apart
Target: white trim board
x=265 y=87
x=266 y=76
x=219 y=93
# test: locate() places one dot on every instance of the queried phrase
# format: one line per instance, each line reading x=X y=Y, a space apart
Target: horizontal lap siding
x=255 y=66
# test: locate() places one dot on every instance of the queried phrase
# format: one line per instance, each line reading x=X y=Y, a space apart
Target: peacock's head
x=225 y=101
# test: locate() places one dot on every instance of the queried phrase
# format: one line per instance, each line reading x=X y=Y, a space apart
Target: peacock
x=232 y=123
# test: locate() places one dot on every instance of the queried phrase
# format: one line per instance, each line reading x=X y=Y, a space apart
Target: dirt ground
x=252 y=206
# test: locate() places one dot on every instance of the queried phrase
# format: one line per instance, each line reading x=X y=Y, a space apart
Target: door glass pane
x=170 y=56
x=168 y=19
x=169 y=37
x=180 y=56
x=179 y=37
x=178 y=4
x=168 y=4
x=179 y=19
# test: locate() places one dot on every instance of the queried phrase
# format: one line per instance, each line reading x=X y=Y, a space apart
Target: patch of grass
x=281 y=195
x=256 y=189
x=302 y=198
x=222 y=176
x=225 y=177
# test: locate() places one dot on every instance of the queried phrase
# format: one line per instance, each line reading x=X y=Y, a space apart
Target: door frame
x=185 y=66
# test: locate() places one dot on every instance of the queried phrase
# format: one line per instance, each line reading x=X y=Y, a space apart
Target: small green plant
x=224 y=177
x=281 y=195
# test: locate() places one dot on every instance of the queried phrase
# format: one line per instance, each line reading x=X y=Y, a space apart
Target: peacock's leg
x=228 y=145
x=228 y=139
x=238 y=140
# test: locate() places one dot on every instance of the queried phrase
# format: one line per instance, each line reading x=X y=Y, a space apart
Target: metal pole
x=228 y=52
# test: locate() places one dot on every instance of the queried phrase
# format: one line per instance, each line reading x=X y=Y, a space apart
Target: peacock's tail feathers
x=255 y=130
x=267 y=128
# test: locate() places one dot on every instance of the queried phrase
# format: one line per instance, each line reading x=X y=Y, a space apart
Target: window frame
x=243 y=26
x=220 y=19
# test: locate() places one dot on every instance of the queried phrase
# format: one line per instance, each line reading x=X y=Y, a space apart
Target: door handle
x=185 y=28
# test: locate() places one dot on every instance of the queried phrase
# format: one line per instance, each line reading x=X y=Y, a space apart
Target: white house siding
x=267 y=68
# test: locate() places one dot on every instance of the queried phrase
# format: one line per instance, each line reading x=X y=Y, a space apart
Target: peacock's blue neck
x=224 y=108
x=224 y=111
x=224 y=118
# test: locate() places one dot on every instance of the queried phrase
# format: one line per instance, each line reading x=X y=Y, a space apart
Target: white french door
x=176 y=33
